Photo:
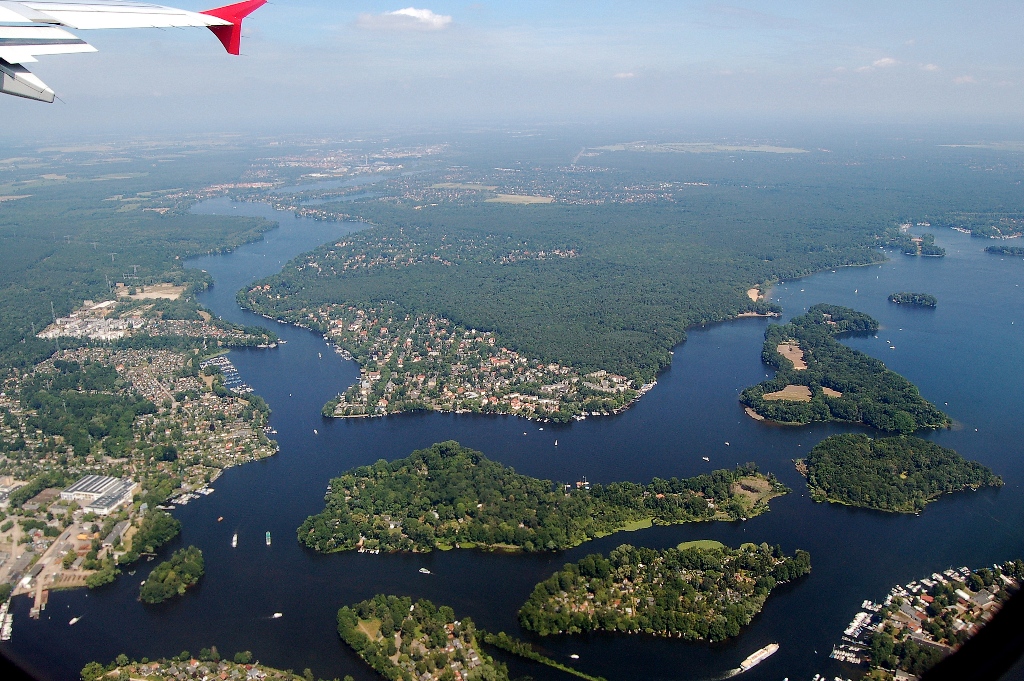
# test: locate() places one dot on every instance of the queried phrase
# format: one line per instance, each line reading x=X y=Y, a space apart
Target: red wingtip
x=231 y=36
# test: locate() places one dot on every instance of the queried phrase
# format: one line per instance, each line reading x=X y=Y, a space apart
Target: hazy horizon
x=312 y=65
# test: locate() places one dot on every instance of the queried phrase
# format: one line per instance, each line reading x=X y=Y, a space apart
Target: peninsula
x=449 y=496
x=899 y=474
x=696 y=593
x=820 y=379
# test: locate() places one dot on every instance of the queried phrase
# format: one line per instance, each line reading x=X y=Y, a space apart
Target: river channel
x=967 y=356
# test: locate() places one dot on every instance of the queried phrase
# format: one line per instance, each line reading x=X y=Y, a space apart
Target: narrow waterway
x=969 y=353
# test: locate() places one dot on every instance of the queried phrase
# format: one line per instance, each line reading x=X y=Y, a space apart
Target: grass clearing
x=700 y=544
x=793 y=393
x=794 y=354
x=370 y=627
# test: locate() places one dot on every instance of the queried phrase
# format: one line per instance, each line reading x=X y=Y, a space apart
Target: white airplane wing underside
x=31 y=28
x=113 y=14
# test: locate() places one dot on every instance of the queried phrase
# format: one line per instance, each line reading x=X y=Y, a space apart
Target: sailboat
x=234 y=540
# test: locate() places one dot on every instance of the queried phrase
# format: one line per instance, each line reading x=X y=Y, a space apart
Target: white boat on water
x=759 y=656
x=74 y=620
x=425 y=571
x=278 y=615
x=234 y=540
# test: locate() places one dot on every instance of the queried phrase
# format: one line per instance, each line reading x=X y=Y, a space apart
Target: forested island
x=404 y=640
x=899 y=474
x=450 y=496
x=1005 y=250
x=820 y=379
x=695 y=593
x=918 y=299
x=174 y=576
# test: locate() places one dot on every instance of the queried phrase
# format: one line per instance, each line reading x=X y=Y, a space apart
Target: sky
x=337 y=65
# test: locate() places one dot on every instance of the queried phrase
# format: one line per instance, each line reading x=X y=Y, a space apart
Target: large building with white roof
x=100 y=494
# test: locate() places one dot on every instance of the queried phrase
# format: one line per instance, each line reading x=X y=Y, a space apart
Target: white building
x=100 y=494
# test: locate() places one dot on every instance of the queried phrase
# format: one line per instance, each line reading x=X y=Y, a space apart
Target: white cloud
x=964 y=80
x=409 y=18
x=930 y=67
x=624 y=75
x=884 y=62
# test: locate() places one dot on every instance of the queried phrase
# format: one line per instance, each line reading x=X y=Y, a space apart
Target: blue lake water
x=969 y=353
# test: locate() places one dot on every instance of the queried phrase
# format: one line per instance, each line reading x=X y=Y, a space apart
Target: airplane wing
x=31 y=28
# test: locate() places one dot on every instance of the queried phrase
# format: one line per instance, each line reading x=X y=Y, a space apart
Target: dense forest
x=451 y=496
x=900 y=474
x=404 y=640
x=1005 y=250
x=693 y=593
x=174 y=576
x=918 y=299
x=595 y=287
x=843 y=384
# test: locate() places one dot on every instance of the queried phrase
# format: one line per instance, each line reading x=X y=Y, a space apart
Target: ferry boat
x=277 y=615
x=425 y=571
x=268 y=537
x=234 y=540
x=759 y=656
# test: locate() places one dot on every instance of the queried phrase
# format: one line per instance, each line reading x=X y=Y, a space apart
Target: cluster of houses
x=201 y=670
x=427 y=362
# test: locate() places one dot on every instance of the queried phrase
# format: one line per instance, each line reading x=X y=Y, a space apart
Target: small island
x=449 y=496
x=897 y=474
x=917 y=299
x=820 y=379
x=402 y=641
x=173 y=577
x=698 y=591
x=1005 y=250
